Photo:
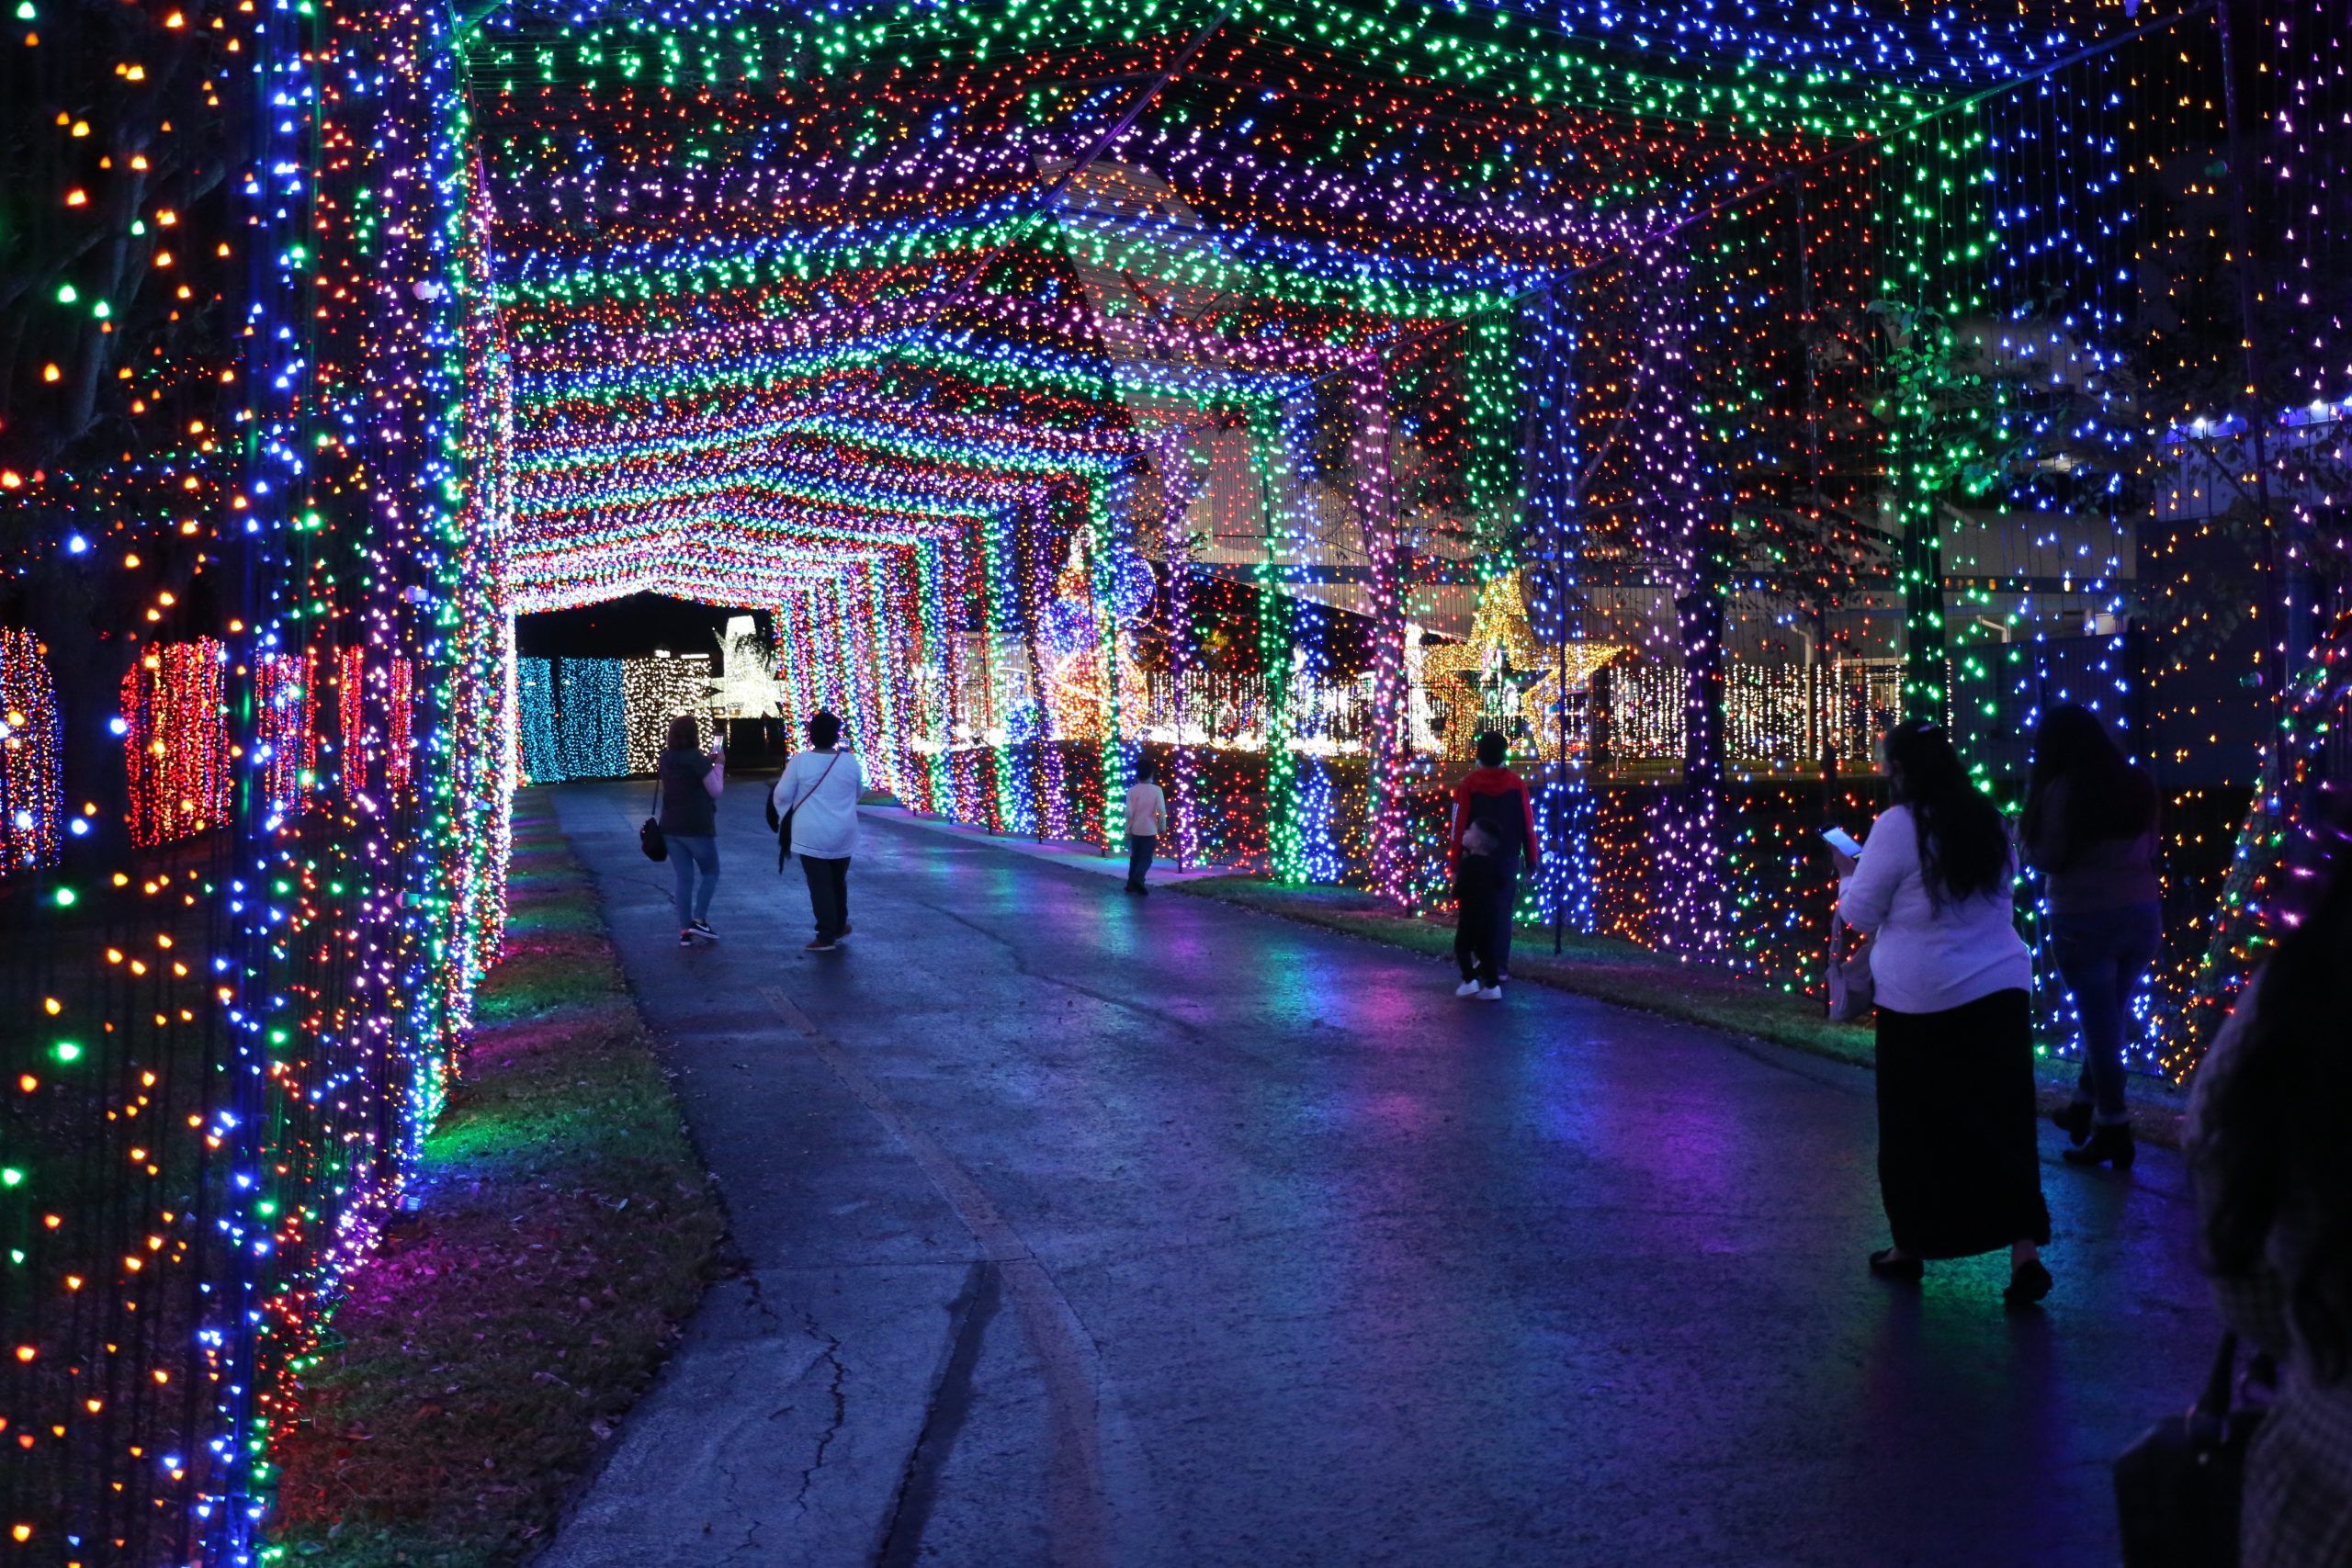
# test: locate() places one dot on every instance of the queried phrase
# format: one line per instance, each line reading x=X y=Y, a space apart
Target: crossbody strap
x=814 y=787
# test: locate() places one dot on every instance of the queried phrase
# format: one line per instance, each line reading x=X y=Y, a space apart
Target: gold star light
x=1499 y=678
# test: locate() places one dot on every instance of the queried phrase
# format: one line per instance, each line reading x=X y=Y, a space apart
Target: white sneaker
x=1467 y=988
x=1491 y=994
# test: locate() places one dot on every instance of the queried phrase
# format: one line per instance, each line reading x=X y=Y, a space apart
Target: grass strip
x=1613 y=970
x=563 y=1229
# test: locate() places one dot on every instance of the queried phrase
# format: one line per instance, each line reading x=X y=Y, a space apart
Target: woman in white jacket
x=1957 y=1166
x=818 y=792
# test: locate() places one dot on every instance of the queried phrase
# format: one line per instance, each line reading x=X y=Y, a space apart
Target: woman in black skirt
x=1957 y=1163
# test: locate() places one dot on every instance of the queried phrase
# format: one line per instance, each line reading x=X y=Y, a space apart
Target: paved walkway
x=1078 y=857
x=1079 y=1229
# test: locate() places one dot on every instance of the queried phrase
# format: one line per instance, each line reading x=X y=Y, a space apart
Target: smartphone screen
x=1845 y=843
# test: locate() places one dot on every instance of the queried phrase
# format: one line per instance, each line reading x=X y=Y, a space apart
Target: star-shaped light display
x=1499 y=678
x=746 y=686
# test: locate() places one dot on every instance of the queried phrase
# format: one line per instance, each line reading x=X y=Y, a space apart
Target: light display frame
x=1067 y=380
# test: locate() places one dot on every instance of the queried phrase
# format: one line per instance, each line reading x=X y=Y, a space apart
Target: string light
x=1690 y=397
x=31 y=821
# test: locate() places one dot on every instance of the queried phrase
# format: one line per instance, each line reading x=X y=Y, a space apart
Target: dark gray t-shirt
x=686 y=806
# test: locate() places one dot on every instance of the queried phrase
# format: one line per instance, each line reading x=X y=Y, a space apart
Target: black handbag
x=649 y=837
x=2177 y=1489
x=783 y=823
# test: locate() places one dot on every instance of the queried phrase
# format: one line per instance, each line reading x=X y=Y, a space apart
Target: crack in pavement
x=942 y=1418
x=750 y=1518
x=841 y=1409
x=759 y=1297
x=1077 y=1501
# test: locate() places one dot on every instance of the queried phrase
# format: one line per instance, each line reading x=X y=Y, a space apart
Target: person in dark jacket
x=2090 y=829
x=2269 y=1144
x=1494 y=826
x=691 y=780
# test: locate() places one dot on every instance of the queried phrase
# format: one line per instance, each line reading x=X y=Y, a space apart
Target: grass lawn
x=1634 y=976
x=564 y=1230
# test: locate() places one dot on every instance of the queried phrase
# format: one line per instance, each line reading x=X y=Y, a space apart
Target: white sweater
x=1923 y=959
x=825 y=825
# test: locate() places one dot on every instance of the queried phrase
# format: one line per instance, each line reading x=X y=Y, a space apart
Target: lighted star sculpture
x=746 y=686
x=1552 y=689
x=1501 y=678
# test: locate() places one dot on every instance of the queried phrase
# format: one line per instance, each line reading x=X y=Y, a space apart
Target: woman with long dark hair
x=2090 y=829
x=1957 y=1166
x=2270 y=1145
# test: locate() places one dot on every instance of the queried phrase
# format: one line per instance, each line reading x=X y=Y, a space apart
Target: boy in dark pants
x=1146 y=819
x=1494 y=825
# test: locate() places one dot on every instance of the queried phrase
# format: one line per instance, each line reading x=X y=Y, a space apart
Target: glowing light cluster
x=30 y=825
x=252 y=666
x=1685 y=394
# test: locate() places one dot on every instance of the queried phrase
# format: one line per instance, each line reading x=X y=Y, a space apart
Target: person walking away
x=2269 y=1144
x=819 y=791
x=2090 y=829
x=1494 y=825
x=1934 y=889
x=1146 y=819
x=691 y=780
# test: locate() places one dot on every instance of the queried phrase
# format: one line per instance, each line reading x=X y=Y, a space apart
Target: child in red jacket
x=1494 y=825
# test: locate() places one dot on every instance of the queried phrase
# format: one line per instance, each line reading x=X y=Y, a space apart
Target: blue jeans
x=1139 y=848
x=690 y=853
x=2103 y=955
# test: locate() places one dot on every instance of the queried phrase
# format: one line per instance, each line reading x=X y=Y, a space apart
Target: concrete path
x=1078 y=857
x=1079 y=1229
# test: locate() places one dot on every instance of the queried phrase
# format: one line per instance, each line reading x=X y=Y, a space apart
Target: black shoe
x=846 y=929
x=686 y=938
x=2074 y=1120
x=2029 y=1282
x=701 y=929
x=1903 y=1270
x=2109 y=1144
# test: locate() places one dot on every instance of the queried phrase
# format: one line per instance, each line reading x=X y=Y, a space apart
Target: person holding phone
x=1959 y=1170
x=691 y=780
x=1494 y=825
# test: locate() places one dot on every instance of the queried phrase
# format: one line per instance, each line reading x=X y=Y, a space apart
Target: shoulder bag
x=783 y=821
x=2177 y=1489
x=649 y=837
x=1853 y=990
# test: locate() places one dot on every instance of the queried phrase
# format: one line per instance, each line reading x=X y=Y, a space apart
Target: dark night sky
x=625 y=628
